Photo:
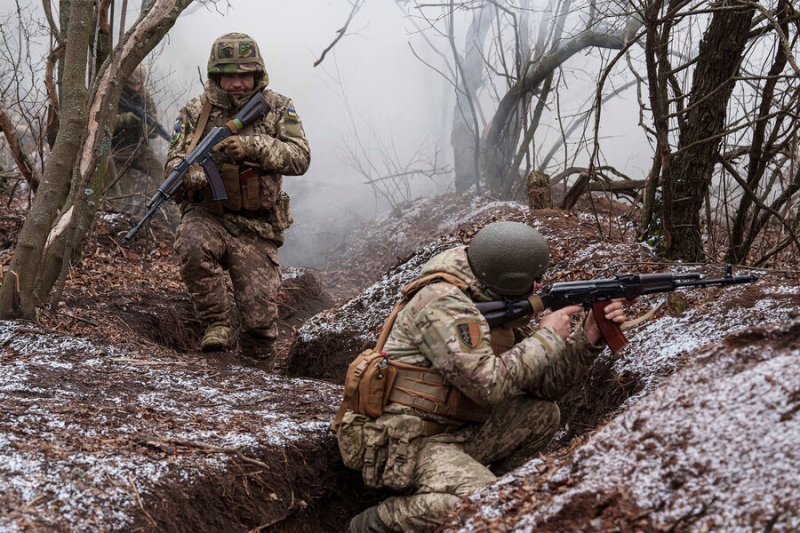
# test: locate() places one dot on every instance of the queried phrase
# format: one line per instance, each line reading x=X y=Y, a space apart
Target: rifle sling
x=201 y=124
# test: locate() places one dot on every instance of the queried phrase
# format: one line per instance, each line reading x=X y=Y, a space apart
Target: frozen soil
x=112 y=420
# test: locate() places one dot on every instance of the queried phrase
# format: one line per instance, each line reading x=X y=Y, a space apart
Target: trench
x=305 y=489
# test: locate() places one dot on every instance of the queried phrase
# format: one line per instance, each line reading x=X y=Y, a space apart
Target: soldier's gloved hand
x=195 y=178
x=128 y=120
x=237 y=147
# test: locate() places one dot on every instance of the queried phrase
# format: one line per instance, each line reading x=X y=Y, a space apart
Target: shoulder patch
x=291 y=112
x=176 y=131
x=469 y=332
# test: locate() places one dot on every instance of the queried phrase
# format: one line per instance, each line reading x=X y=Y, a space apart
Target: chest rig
x=247 y=187
x=373 y=380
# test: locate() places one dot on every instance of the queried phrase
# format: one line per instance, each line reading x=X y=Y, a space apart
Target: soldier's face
x=236 y=84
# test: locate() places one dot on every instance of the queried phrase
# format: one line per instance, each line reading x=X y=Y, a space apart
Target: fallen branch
x=216 y=449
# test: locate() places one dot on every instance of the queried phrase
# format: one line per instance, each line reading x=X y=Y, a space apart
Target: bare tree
x=730 y=99
x=507 y=71
x=73 y=173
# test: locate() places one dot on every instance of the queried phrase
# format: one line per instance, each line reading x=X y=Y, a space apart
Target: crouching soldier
x=448 y=403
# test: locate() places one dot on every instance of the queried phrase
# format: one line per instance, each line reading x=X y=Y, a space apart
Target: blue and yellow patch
x=291 y=112
x=176 y=131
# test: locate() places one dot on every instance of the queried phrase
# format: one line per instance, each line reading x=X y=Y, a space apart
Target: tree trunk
x=16 y=294
x=79 y=156
x=495 y=161
x=464 y=138
x=740 y=241
x=692 y=166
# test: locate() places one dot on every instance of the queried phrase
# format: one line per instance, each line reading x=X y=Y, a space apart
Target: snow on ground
x=711 y=441
x=85 y=475
x=717 y=441
x=658 y=347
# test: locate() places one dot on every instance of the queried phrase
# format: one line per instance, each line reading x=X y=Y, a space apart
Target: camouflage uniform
x=230 y=234
x=129 y=191
x=441 y=327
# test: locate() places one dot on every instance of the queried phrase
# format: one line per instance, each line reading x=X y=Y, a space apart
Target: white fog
x=380 y=94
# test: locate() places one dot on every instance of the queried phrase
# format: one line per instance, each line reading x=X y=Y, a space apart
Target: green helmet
x=235 y=53
x=508 y=257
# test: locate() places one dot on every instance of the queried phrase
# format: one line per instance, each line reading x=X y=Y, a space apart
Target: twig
x=139 y=362
x=82 y=319
x=233 y=451
x=269 y=524
x=139 y=503
x=341 y=31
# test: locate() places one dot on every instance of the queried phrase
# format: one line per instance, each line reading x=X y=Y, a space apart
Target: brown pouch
x=230 y=179
x=251 y=196
x=375 y=385
x=366 y=385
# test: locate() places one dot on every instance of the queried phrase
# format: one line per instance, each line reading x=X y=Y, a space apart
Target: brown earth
x=132 y=298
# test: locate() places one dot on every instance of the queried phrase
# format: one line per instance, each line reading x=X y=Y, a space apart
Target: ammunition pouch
x=246 y=190
x=384 y=449
x=252 y=193
x=373 y=380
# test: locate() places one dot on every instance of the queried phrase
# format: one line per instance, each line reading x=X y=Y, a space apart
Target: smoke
x=370 y=109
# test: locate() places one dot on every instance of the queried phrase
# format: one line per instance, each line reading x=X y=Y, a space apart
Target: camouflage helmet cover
x=235 y=53
x=138 y=75
x=508 y=257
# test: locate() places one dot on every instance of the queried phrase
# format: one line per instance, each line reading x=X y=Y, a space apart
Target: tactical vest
x=373 y=380
x=247 y=187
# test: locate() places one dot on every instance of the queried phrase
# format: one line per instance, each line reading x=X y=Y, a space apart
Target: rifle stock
x=256 y=107
x=595 y=294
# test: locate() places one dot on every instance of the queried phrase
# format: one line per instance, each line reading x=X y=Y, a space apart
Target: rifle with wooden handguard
x=255 y=108
x=595 y=294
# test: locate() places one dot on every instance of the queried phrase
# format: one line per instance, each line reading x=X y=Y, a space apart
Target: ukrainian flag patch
x=291 y=112
x=176 y=131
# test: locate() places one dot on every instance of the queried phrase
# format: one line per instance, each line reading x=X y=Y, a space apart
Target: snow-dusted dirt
x=111 y=420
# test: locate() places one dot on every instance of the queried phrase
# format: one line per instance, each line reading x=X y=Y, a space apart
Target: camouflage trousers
x=206 y=250
x=450 y=467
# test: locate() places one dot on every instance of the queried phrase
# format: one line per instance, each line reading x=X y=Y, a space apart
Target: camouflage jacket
x=441 y=327
x=135 y=135
x=281 y=145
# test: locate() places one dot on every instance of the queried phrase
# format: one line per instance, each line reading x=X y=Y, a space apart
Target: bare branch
x=24 y=165
x=341 y=31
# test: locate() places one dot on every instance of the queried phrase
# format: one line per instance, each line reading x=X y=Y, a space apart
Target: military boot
x=258 y=347
x=368 y=521
x=217 y=337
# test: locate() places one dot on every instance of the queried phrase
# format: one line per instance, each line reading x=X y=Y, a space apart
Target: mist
x=377 y=102
x=369 y=89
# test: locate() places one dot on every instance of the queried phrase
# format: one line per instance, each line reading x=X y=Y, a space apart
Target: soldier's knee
x=368 y=521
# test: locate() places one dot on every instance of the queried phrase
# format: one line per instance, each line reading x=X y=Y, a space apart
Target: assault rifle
x=256 y=107
x=152 y=124
x=595 y=294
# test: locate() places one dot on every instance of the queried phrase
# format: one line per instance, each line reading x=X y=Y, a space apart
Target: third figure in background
x=131 y=150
